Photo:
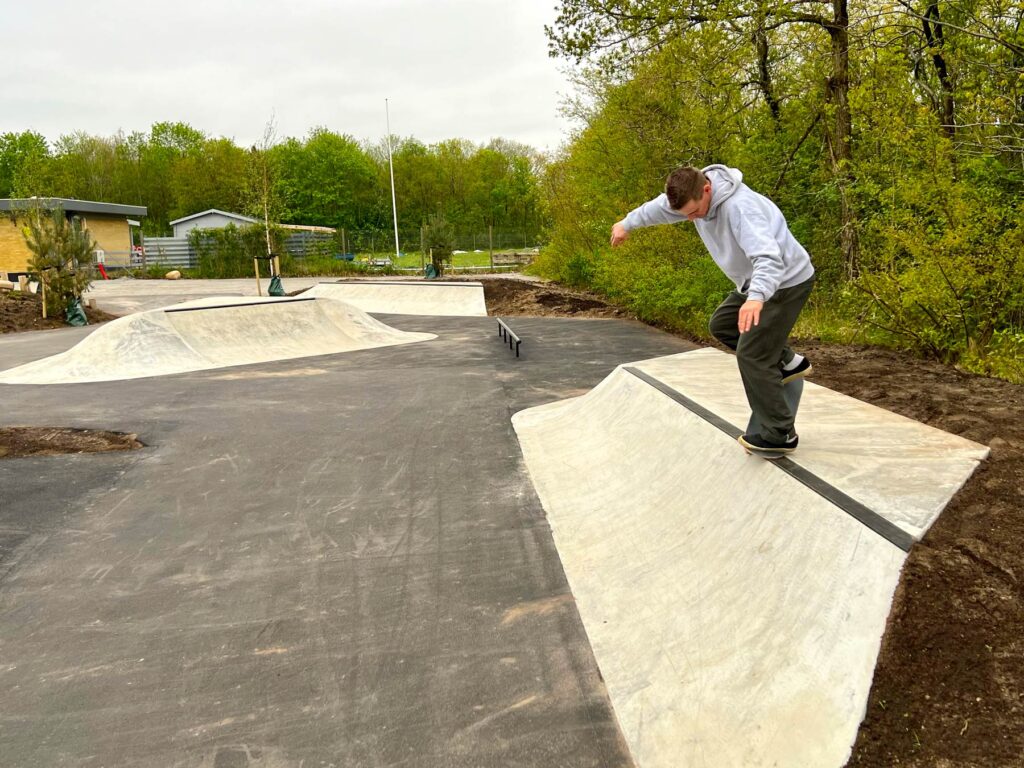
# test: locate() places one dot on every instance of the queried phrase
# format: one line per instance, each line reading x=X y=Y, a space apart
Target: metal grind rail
x=509 y=335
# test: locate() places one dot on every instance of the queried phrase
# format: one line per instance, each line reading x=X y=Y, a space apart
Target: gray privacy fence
x=303 y=243
x=177 y=252
x=168 y=252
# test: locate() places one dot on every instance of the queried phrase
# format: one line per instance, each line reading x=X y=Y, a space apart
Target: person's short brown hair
x=683 y=185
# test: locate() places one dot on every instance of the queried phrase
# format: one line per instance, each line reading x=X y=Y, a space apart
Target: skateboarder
x=749 y=240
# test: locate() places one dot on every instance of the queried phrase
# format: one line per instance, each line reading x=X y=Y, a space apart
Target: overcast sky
x=474 y=69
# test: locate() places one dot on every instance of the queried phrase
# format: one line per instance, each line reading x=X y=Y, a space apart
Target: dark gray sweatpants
x=762 y=351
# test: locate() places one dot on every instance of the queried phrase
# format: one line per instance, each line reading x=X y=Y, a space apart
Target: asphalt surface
x=327 y=561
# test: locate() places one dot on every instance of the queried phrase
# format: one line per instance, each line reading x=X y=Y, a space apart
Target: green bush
x=229 y=251
x=946 y=269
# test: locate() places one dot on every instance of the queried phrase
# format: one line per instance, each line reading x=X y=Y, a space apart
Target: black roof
x=71 y=206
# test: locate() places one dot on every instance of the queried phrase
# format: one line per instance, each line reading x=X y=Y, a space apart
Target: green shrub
x=229 y=251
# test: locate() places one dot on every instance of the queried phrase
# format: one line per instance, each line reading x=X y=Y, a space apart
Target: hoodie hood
x=725 y=182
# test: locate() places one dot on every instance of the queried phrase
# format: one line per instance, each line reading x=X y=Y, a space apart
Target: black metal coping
x=459 y=284
x=866 y=516
x=241 y=304
x=507 y=333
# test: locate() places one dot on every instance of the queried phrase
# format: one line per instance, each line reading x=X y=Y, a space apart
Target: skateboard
x=792 y=392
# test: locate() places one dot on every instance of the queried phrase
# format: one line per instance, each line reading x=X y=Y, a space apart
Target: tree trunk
x=840 y=134
x=936 y=40
x=764 y=74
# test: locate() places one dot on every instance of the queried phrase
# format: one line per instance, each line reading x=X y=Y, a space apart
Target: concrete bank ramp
x=407 y=297
x=214 y=332
x=735 y=605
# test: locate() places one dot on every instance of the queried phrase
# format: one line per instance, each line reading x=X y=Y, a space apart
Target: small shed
x=210 y=219
x=108 y=224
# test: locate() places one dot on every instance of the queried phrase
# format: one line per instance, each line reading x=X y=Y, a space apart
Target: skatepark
x=361 y=532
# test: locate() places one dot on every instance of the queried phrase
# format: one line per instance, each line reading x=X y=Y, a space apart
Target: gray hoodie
x=745 y=233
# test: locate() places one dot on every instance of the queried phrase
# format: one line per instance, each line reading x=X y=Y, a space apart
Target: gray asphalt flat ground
x=329 y=561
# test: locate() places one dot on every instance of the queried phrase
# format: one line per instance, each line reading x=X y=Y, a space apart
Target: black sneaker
x=803 y=369
x=757 y=443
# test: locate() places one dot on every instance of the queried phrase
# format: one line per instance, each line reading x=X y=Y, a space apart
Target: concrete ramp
x=735 y=605
x=407 y=297
x=213 y=332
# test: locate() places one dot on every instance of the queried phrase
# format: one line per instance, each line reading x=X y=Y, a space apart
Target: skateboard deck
x=792 y=392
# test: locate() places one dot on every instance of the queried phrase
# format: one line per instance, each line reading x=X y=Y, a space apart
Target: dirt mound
x=49 y=441
x=20 y=311
x=520 y=297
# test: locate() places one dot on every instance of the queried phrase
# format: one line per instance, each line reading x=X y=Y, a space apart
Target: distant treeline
x=325 y=179
x=891 y=134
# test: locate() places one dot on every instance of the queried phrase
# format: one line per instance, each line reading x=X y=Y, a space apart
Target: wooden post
x=344 y=242
x=42 y=282
x=256 y=266
x=423 y=249
x=490 y=241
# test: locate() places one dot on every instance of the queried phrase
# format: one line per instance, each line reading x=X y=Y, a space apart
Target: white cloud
x=474 y=69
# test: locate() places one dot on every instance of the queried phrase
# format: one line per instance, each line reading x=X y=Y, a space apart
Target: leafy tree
x=24 y=163
x=212 y=175
x=617 y=37
x=327 y=180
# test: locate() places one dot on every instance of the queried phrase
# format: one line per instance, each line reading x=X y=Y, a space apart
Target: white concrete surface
x=902 y=469
x=462 y=299
x=247 y=330
x=736 y=615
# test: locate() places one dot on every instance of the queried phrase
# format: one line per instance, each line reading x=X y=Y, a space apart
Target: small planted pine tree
x=62 y=252
x=439 y=239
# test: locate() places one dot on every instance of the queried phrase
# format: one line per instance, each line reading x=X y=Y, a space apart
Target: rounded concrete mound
x=214 y=332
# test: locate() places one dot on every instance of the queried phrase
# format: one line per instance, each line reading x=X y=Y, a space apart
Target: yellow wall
x=111 y=235
x=14 y=254
x=109 y=232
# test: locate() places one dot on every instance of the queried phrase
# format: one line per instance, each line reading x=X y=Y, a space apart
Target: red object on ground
x=102 y=271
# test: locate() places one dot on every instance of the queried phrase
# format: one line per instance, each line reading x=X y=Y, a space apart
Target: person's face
x=698 y=209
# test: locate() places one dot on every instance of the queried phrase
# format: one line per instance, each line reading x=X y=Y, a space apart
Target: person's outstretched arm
x=651 y=213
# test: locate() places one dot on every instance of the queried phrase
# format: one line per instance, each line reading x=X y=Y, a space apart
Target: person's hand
x=750 y=315
x=619 y=234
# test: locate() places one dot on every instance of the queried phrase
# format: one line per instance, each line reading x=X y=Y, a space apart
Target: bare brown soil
x=20 y=311
x=49 y=441
x=948 y=690
x=519 y=297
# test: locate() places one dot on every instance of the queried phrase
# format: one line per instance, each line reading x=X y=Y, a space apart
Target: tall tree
x=613 y=35
x=24 y=164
